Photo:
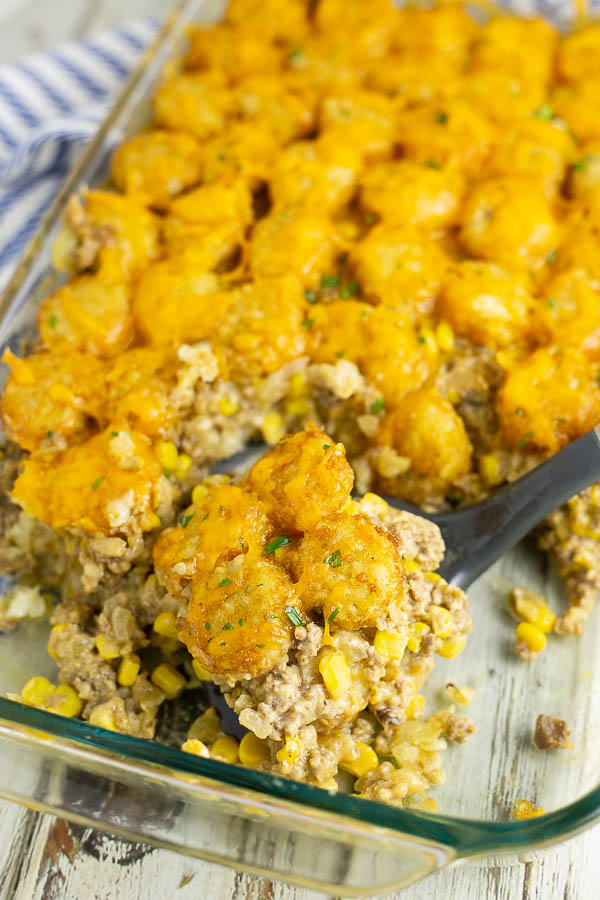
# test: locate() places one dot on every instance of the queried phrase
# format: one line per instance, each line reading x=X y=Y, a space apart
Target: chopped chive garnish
x=519 y=411
x=295 y=53
x=310 y=295
x=353 y=287
x=432 y=164
x=308 y=324
x=224 y=582
x=204 y=517
x=546 y=111
x=97 y=483
x=277 y=542
x=49 y=433
x=293 y=615
x=377 y=406
x=551 y=258
x=52 y=321
x=441 y=118
x=558 y=419
x=326 y=446
x=240 y=622
x=207 y=626
x=228 y=627
x=115 y=433
x=339 y=353
x=167 y=473
x=334 y=559
x=332 y=615
x=185 y=520
x=260 y=646
x=551 y=303
x=330 y=281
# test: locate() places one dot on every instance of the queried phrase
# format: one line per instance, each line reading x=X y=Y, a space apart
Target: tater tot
x=302 y=479
x=568 y=312
x=197 y=103
x=404 y=192
x=348 y=566
x=486 y=303
x=44 y=404
x=549 y=399
x=236 y=624
x=455 y=134
x=91 y=314
x=138 y=390
x=157 y=165
x=320 y=174
x=535 y=148
x=299 y=242
x=509 y=221
x=579 y=54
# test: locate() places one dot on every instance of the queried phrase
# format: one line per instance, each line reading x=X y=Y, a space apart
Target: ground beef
x=551 y=733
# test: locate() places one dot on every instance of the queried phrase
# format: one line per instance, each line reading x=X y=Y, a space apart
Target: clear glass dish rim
x=468 y=837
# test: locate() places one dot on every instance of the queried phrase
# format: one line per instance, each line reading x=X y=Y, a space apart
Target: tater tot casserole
x=367 y=236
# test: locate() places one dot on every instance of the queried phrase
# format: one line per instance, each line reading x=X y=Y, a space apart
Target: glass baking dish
x=336 y=843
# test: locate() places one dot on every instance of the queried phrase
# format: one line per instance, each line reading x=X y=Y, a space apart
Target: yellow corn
x=168 y=679
x=489 y=469
x=128 y=670
x=335 y=672
x=272 y=428
x=228 y=406
x=246 y=341
x=103 y=717
x=37 y=690
x=253 y=751
x=297 y=407
x=298 y=385
x=363 y=763
x=417 y=630
x=451 y=647
x=444 y=336
x=199 y=494
x=151 y=521
x=462 y=695
x=525 y=809
x=441 y=621
x=164 y=624
x=290 y=751
x=432 y=576
x=390 y=644
x=166 y=454
x=351 y=508
x=532 y=636
x=195 y=747
x=414 y=708
x=411 y=566
x=70 y=704
x=106 y=647
x=206 y=727
x=532 y=612
x=377 y=503
x=61 y=393
x=200 y=672
x=454 y=397
x=184 y=464
x=226 y=749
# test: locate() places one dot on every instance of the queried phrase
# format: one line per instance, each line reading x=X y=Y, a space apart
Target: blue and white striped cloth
x=49 y=104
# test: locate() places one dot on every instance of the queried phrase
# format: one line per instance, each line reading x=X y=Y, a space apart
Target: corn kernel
x=290 y=751
x=454 y=397
x=335 y=672
x=272 y=428
x=532 y=636
x=226 y=749
x=107 y=647
x=441 y=621
x=200 y=672
x=297 y=408
x=444 y=336
x=525 y=809
x=195 y=747
x=199 y=494
x=151 y=521
x=69 y=705
x=489 y=469
x=103 y=717
x=55 y=630
x=411 y=566
x=184 y=464
x=166 y=454
x=532 y=612
x=61 y=394
x=363 y=763
x=228 y=406
x=377 y=505
x=351 y=508
x=246 y=341
x=128 y=670
x=390 y=644
x=206 y=727
x=164 y=624
x=298 y=385
x=451 y=647
x=37 y=690
x=462 y=695
x=414 y=708
x=417 y=630
x=168 y=679
x=432 y=576
x=253 y=751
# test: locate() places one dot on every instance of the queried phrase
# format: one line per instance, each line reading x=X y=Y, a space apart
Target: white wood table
x=44 y=858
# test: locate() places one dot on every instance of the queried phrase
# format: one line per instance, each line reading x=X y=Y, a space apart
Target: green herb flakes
x=330 y=281
x=310 y=295
x=278 y=542
x=377 y=406
x=224 y=582
x=185 y=520
x=98 y=482
x=293 y=615
x=332 y=615
x=334 y=559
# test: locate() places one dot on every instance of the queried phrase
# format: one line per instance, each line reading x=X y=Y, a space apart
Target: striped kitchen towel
x=49 y=104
